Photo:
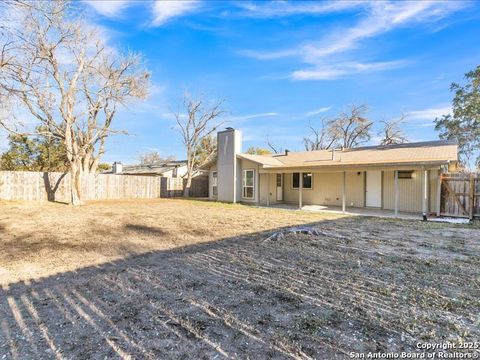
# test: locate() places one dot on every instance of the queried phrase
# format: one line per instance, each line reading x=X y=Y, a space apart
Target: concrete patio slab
x=351 y=211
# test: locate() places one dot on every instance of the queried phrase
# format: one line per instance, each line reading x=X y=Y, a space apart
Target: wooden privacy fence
x=460 y=195
x=43 y=186
x=174 y=187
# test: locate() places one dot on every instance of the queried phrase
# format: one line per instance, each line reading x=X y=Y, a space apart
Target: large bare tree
x=153 y=157
x=197 y=121
x=57 y=67
x=206 y=150
x=320 y=139
x=275 y=149
x=351 y=128
x=391 y=132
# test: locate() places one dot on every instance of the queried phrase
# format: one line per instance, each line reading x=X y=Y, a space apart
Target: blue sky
x=282 y=65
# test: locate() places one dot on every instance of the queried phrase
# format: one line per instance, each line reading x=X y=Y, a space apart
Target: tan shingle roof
x=423 y=152
x=267 y=160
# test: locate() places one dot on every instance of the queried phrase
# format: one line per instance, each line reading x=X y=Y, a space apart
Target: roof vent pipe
x=286 y=152
x=335 y=154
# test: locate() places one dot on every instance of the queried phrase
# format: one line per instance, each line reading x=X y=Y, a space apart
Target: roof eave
x=361 y=165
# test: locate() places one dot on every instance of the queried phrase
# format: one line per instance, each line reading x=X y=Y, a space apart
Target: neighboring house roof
x=406 y=154
x=147 y=169
x=158 y=169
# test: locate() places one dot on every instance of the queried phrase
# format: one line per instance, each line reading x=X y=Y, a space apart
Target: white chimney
x=229 y=144
x=117 y=167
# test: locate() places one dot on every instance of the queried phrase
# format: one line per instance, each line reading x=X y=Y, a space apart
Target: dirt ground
x=189 y=279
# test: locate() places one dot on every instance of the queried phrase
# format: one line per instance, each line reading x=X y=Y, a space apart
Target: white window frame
x=303 y=184
x=214 y=183
x=244 y=178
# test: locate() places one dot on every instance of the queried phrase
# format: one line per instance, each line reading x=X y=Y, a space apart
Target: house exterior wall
x=181 y=171
x=327 y=189
x=168 y=174
x=268 y=189
x=410 y=191
x=250 y=165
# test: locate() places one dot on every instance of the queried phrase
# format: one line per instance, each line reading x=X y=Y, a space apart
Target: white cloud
x=338 y=46
x=164 y=10
x=268 y=55
x=430 y=124
x=382 y=17
x=109 y=8
x=239 y=118
x=428 y=114
x=317 y=111
x=285 y=8
x=334 y=71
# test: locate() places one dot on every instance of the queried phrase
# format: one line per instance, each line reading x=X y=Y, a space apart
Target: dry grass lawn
x=188 y=279
x=39 y=240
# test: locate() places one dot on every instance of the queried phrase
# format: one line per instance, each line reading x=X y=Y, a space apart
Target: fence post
x=471 y=196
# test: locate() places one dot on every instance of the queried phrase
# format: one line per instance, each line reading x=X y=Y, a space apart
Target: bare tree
x=206 y=150
x=274 y=148
x=319 y=139
x=153 y=158
x=254 y=150
x=351 y=128
x=391 y=132
x=199 y=122
x=68 y=79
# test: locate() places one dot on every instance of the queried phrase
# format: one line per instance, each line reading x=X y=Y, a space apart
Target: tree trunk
x=75 y=184
x=186 y=191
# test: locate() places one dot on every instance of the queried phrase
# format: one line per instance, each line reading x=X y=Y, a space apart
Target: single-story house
x=402 y=177
x=169 y=169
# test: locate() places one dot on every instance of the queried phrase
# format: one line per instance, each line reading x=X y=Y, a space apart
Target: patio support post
x=425 y=194
x=300 y=191
x=439 y=192
x=344 y=190
x=395 y=190
x=268 y=189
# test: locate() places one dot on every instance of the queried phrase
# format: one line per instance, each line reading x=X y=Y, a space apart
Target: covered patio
x=351 y=211
x=364 y=191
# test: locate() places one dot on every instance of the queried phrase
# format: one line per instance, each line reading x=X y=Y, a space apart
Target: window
x=248 y=184
x=214 y=183
x=279 y=180
x=307 y=180
x=405 y=174
x=175 y=172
